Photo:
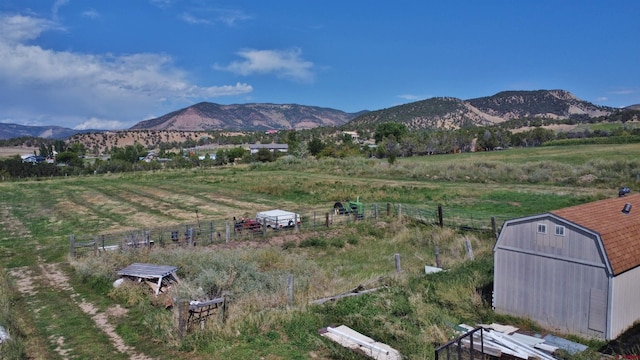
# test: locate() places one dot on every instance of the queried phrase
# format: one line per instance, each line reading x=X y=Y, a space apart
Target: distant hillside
x=10 y=131
x=246 y=117
x=435 y=113
x=441 y=112
x=451 y=113
x=633 y=107
x=541 y=103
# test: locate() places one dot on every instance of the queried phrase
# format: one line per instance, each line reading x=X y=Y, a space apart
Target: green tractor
x=355 y=208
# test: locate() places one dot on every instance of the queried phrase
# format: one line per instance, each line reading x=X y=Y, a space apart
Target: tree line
x=389 y=140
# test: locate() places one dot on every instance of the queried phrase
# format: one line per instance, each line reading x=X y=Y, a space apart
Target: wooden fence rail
x=198 y=312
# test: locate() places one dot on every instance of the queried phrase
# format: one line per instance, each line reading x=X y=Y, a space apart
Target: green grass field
x=411 y=313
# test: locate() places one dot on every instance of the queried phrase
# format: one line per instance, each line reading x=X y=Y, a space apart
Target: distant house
x=204 y=157
x=254 y=148
x=354 y=135
x=575 y=270
x=151 y=156
x=33 y=159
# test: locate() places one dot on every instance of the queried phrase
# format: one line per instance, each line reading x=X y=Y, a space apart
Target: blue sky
x=110 y=64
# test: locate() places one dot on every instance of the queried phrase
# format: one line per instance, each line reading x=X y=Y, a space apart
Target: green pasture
x=410 y=313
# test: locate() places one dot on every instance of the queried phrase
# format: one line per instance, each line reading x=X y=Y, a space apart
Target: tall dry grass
x=410 y=311
x=574 y=167
x=13 y=347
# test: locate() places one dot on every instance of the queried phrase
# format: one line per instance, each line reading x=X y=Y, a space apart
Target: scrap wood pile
x=360 y=343
x=158 y=277
x=503 y=340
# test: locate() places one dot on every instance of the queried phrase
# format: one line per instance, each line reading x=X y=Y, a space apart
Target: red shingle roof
x=620 y=232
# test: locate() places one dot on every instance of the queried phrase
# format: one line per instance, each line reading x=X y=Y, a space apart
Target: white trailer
x=278 y=219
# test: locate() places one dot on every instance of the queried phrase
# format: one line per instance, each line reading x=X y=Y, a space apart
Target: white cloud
x=188 y=18
x=56 y=7
x=18 y=28
x=41 y=84
x=91 y=14
x=209 y=16
x=284 y=63
x=163 y=4
x=216 y=91
x=623 y=92
x=602 y=99
x=100 y=124
x=231 y=17
x=411 y=97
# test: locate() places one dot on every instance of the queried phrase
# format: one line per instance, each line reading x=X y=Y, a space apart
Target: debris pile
x=362 y=344
x=500 y=340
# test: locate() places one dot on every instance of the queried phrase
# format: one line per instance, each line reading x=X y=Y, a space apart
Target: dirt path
x=49 y=276
x=58 y=279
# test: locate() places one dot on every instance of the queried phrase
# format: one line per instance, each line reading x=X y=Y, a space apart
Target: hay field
x=39 y=215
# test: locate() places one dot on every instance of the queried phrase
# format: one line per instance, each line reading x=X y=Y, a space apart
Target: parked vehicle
x=278 y=219
x=247 y=225
x=349 y=207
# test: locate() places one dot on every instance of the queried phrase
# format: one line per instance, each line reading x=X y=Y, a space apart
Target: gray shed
x=574 y=270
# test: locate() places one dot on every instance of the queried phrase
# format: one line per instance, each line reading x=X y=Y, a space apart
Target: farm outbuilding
x=574 y=270
x=254 y=148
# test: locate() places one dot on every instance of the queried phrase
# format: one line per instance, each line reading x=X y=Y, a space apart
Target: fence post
x=211 y=232
x=102 y=238
x=95 y=246
x=438 y=264
x=295 y=223
x=440 y=221
x=183 y=317
x=72 y=246
x=326 y=219
x=375 y=211
x=467 y=242
x=225 y=296
x=264 y=227
x=398 y=267
x=228 y=232
x=494 y=227
x=388 y=209
x=290 y=290
x=399 y=211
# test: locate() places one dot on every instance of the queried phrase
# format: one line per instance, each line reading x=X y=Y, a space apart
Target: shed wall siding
x=554 y=293
x=550 y=278
x=576 y=244
x=625 y=305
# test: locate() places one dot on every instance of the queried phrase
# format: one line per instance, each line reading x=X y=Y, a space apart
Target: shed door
x=597 y=310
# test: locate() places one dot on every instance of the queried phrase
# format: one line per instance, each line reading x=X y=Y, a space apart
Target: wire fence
x=260 y=229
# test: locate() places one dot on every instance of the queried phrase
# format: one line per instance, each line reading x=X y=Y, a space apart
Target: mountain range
x=451 y=113
x=438 y=112
x=248 y=117
x=11 y=131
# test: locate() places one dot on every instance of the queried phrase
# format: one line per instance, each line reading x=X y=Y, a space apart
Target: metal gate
x=469 y=346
